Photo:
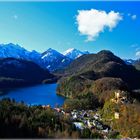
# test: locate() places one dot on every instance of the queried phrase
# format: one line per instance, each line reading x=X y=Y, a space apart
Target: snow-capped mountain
x=51 y=55
x=54 y=60
x=74 y=53
x=35 y=57
x=16 y=51
x=50 y=59
x=129 y=61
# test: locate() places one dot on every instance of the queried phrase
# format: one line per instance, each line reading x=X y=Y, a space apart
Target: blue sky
x=42 y=25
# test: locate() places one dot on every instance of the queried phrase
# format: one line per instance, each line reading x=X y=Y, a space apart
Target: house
x=73 y=112
x=94 y=122
x=89 y=124
x=79 y=125
x=63 y=112
x=84 y=114
x=117 y=95
x=105 y=130
x=57 y=109
x=116 y=115
x=96 y=116
x=74 y=116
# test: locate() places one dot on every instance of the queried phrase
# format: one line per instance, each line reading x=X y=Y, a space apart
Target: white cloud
x=133 y=17
x=93 y=22
x=138 y=53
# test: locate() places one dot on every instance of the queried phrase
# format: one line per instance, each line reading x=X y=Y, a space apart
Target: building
x=89 y=124
x=57 y=109
x=79 y=125
x=116 y=115
x=46 y=106
x=117 y=95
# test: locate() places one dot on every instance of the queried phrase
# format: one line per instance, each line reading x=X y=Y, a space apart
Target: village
x=91 y=119
x=82 y=119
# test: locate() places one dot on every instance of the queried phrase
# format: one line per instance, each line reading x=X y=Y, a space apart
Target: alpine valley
x=70 y=69
x=101 y=94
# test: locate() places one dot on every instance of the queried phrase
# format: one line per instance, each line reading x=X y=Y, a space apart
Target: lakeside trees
x=21 y=121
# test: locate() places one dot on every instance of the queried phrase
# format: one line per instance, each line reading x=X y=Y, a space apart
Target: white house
x=117 y=95
x=96 y=116
x=116 y=115
x=74 y=116
x=79 y=125
x=89 y=124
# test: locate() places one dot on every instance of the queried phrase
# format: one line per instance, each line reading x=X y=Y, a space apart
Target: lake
x=43 y=94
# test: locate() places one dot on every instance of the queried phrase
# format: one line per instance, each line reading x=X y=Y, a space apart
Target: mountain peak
x=53 y=59
x=105 y=52
x=69 y=51
x=49 y=53
x=50 y=49
x=73 y=53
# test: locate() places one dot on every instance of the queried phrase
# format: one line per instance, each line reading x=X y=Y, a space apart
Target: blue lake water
x=43 y=94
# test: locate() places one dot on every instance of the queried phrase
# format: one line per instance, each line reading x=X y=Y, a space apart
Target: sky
x=91 y=26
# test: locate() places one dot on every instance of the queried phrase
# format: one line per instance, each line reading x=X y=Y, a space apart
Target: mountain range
x=92 y=81
x=54 y=60
x=50 y=59
x=89 y=68
x=89 y=81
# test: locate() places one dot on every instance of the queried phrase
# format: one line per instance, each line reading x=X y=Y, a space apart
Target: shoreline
x=36 y=95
